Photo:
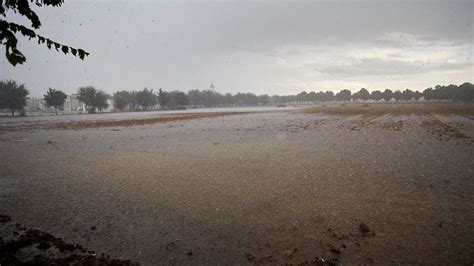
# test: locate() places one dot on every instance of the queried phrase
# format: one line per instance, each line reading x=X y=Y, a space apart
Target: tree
x=344 y=95
x=263 y=99
x=387 y=95
x=328 y=96
x=101 y=100
x=465 y=92
x=177 y=100
x=12 y=96
x=228 y=99
x=9 y=29
x=302 y=96
x=363 y=95
x=146 y=98
x=92 y=98
x=397 y=95
x=121 y=99
x=417 y=95
x=87 y=96
x=54 y=98
x=163 y=98
x=181 y=100
x=428 y=94
x=408 y=95
x=132 y=100
x=376 y=95
x=194 y=97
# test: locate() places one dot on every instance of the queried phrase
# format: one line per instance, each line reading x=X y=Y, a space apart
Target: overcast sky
x=274 y=47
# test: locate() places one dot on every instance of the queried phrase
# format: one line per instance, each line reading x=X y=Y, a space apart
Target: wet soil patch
x=443 y=131
x=23 y=246
x=393 y=109
x=76 y=125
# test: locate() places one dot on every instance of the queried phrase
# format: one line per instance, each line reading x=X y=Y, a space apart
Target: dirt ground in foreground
x=353 y=184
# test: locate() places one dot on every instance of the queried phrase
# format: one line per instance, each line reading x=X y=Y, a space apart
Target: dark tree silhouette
x=387 y=95
x=363 y=95
x=465 y=92
x=101 y=100
x=263 y=99
x=54 y=98
x=408 y=95
x=194 y=97
x=397 y=95
x=92 y=98
x=121 y=99
x=163 y=98
x=376 y=95
x=9 y=29
x=178 y=100
x=146 y=98
x=12 y=96
x=344 y=95
x=132 y=100
x=87 y=96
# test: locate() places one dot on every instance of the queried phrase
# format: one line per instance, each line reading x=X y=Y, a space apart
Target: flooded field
x=349 y=184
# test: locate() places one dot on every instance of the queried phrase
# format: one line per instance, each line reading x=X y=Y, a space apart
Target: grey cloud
x=379 y=67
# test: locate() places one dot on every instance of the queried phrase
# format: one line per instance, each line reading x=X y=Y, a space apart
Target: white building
x=72 y=103
x=35 y=104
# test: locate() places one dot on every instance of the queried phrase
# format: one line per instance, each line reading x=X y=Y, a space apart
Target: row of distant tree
x=146 y=99
x=13 y=97
x=133 y=100
x=463 y=92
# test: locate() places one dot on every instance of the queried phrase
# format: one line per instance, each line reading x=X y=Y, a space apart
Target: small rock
x=364 y=229
x=249 y=256
x=334 y=250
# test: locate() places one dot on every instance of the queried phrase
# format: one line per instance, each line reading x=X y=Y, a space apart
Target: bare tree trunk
x=13 y=112
x=56 y=110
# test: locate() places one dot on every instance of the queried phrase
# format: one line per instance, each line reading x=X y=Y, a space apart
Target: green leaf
x=82 y=54
x=15 y=57
x=65 y=49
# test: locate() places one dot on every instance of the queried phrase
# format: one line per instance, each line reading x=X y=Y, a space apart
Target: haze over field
x=261 y=47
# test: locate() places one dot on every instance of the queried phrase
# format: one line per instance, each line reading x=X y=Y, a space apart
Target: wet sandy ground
x=259 y=187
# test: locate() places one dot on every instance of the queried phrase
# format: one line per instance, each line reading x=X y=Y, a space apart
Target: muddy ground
x=353 y=184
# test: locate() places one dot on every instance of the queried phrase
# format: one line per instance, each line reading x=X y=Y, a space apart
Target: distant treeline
x=13 y=97
x=463 y=92
x=145 y=99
